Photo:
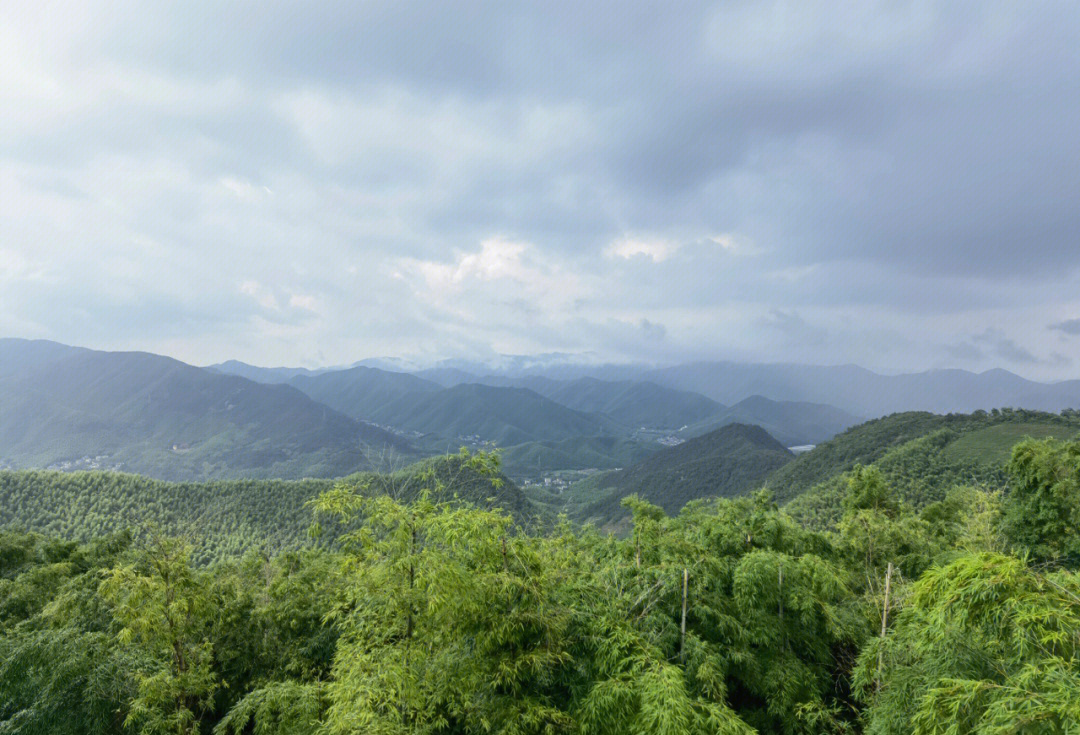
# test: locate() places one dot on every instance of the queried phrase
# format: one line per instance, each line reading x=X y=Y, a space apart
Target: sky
x=892 y=184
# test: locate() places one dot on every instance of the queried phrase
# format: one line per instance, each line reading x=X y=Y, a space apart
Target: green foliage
x=922 y=454
x=506 y=416
x=164 y=608
x=985 y=645
x=223 y=519
x=579 y=453
x=63 y=682
x=1042 y=513
x=279 y=708
x=425 y=608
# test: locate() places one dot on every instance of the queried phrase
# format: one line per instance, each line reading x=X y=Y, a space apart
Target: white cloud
x=244 y=190
x=735 y=244
x=305 y=302
x=655 y=249
x=263 y=296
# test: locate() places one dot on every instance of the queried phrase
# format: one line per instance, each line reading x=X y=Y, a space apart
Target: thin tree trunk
x=682 y=639
x=780 y=587
x=884 y=624
x=780 y=596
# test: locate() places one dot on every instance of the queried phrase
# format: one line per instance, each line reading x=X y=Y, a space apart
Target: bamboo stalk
x=884 y=623
x=682 y=639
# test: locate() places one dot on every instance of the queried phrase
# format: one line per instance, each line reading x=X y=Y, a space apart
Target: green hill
x=506 y=416
x=224 y=518
x=631 y=403
x=597 y=452
x=862 y=444
x=793 y=423
x=361 y=392
x=729 y=461
x=160 y=417
x=920 y=455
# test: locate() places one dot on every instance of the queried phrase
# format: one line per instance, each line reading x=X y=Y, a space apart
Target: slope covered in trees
x=222 y=518
x=631 y=403
x=727 y=462
x=361 y=392
x=580 y=453
x=158 y=416
x=506 y=416
x=975 y=440
x=924 y=456
x=434 y=617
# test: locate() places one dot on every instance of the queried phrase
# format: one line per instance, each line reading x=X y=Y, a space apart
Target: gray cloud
x=1004 y=347
x=1070 y=327
x=890 y=173
x=964 y=351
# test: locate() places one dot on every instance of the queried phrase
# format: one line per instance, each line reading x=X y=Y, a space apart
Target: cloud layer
x=892 y=184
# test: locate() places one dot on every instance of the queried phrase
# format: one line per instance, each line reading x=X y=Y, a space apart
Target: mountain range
x=158 y=416
x=855 y=390
x=865 y=393
x=73 y=408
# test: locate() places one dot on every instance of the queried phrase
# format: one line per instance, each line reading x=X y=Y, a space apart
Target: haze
x=893 y=184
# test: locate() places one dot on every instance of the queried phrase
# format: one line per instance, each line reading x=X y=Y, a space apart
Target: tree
x=165 y=611
x=1042 y=510
x=449 y=619
x=985 y=645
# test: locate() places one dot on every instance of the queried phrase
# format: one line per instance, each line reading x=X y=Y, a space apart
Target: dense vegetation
x=221 y=518
x=920 y=455
x=425 y=616
x=579 y=453
x=632 y=404
x=724 y=463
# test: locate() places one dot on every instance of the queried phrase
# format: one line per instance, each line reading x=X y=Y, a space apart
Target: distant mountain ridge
x=362 y=392
x=163 y=418
x=615 y=407
x=506 y=416
x=631 y=403
x=794 y=423
x=857 y=391
x=262 y=374
x=865 y=393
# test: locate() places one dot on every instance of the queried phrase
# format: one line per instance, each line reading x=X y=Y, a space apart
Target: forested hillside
x=633 y=404
x=362 y=392
x=921 y=456
x=438 y=617
x=727 y=462
x=154 y=415
x=792 y=423
x=506 y=416
x=224 y=518
x=598 y=452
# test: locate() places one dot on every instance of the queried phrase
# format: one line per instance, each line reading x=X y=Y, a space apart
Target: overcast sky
x=895 y=185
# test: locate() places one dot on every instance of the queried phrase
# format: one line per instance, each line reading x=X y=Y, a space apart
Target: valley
x=304 y=525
